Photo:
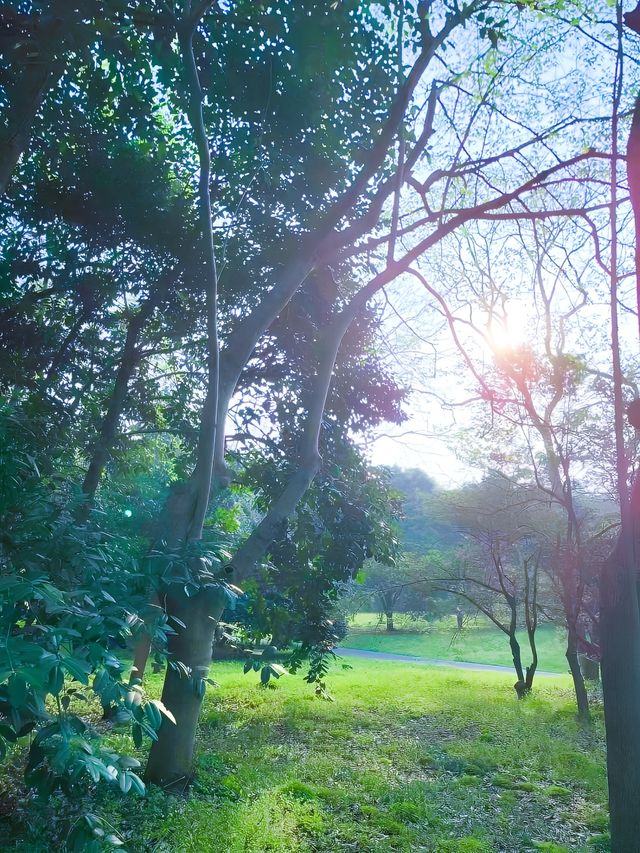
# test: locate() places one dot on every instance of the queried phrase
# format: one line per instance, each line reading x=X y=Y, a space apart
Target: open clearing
x=405 y=759
x=478 y=642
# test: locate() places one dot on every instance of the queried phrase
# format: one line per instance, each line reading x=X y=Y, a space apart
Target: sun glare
x=508 y=330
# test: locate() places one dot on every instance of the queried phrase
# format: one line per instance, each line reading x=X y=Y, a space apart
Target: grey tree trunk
x=171 y=758
x=619 y=616
x=516 y=655
x=582 y=698
x=620 y=666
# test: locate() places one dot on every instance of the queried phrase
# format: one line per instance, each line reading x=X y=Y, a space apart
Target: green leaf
x=78 y=669
x=7 y=733
x=55 y=681
x=124 y=781
x=137 y=784
x=17 y=688
x=164 y=710
x=152 y=713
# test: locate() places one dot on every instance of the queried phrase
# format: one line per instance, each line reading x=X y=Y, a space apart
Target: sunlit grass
x=405 y=759
x=402 y=760
x=478 y=642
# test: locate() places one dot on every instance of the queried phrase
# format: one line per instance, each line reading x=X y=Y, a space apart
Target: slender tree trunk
x=529 y=676
x=274 y=522
x=129 y=360
x=531 y=669
x=633 y=175
x=35 y=81
x=171 y=757
x=109 y=427
x=582 y=699
x=389 y=616
x=619 y=616
x=531 y=617
x=519 y=686
x=517 y=657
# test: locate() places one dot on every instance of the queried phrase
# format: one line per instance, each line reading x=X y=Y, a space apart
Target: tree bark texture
x=620 y=667
x=171 y=758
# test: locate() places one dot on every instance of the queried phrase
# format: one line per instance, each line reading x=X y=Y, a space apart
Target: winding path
x=453 y=664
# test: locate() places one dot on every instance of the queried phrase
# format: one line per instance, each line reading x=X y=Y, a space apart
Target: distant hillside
x=421 y=527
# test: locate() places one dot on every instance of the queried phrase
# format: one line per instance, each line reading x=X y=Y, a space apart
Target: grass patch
x=415 y=767
x=478 y=642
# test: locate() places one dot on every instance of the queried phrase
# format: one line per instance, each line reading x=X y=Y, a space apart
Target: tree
x=396 y=588
x=265 y=215
x=543 y=404
x=421 y=529
x=620 y=614
x=497 y=570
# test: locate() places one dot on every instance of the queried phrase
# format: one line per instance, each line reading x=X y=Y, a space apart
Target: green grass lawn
x=405 y=759
x=478 y=642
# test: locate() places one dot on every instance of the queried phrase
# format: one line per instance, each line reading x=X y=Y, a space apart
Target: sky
x=416 y=340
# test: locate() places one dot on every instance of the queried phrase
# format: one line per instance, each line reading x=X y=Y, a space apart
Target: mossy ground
x=404 y=759
x=478 y=642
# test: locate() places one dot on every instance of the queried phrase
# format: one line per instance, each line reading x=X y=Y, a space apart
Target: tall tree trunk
x=128 y=362
x=572 y=594
x=273 y=523
x=171 y=757
x=104 y=442
x=530 y=673
x=35 y=81
x=619 y=617
x=389 y=616
x=531 y=617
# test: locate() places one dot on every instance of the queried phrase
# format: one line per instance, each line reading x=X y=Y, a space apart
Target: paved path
x=454 y=664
